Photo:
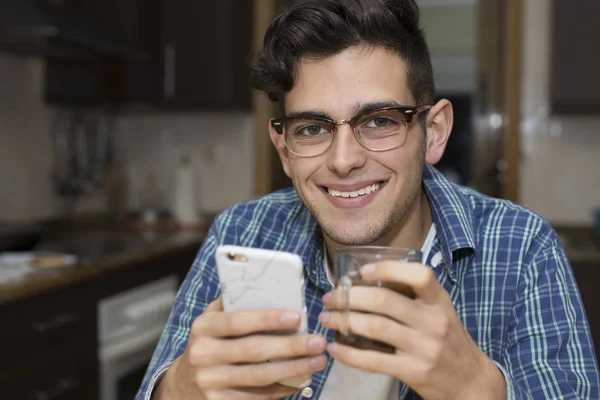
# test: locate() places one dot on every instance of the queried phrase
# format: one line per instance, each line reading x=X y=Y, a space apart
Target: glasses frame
x=409 y=113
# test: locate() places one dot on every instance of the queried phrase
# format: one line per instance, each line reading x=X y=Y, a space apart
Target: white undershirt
x=344 y=382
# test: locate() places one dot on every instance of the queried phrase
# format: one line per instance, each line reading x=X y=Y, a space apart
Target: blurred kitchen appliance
x=82 y=152
x=129 y=326
x=184 y=199
x=19 y=236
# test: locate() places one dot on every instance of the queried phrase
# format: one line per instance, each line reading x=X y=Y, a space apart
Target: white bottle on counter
x=184 y=201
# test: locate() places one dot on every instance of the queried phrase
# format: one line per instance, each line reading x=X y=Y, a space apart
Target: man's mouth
x=355 y=193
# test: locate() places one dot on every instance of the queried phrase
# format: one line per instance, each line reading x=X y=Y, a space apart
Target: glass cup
x=347 y=264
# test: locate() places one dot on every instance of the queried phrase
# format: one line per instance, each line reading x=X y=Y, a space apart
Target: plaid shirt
x=504 y=268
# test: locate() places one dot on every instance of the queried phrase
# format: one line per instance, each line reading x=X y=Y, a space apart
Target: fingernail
x=317 y=344
x=324 y=317
x=367 y=269
x=289 y=318
x=318 y=362
x=327 y=298
x=332 y=347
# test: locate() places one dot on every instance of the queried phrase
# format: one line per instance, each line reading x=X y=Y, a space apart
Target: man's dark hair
x=323 y=28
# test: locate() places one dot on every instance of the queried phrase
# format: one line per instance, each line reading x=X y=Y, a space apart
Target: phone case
x=257 y=279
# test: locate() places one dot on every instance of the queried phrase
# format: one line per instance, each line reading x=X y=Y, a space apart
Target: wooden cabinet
x=191 y=55
x=49 y=342
x=574 y=85
x=92 y=78
x=200 y=55
x=69 y=373
x=53 y=321
x=48 y=346
x=83 y=82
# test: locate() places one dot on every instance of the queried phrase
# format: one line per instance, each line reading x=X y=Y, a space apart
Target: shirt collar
x=307 y=241
x=452 y=215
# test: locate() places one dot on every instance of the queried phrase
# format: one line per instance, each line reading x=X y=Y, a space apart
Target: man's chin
x=351 y=236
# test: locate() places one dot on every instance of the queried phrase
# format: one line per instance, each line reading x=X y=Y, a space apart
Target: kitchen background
x=221 y=144
x=189 y=105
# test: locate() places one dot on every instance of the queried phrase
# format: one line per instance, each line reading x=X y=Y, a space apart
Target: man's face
x=337 y=87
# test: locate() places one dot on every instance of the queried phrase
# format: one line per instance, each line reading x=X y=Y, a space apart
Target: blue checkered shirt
x=504 y=268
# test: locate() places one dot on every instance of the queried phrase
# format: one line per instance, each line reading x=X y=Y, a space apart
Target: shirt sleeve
x=199 y=288
x=549 y=352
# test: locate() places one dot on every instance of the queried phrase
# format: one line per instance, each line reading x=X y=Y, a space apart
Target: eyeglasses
x=379 y=130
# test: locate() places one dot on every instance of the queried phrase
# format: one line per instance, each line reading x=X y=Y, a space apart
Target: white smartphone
x=258 y=279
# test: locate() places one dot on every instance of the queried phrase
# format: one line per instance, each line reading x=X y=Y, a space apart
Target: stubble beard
x=383 y=223
x=376 y=228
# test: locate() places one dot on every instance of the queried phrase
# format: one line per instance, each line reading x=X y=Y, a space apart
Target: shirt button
x=307 y=392
x=436 y=259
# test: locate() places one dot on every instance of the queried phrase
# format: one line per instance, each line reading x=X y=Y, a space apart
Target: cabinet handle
x=169 y=78
x=62 y=386
x=58 y=322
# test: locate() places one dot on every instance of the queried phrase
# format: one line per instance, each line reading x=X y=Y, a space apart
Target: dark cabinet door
x=201 y=50
x=575 y=62
x=83 y=82
x=192 y=54
x=45 y=322
x=93 y=78
x=66 y=374
x=587 y=275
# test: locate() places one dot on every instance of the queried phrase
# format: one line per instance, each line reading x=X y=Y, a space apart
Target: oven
x=129 y=326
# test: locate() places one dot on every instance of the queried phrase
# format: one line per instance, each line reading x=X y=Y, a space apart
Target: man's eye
x=379 y=122
x=312 y=130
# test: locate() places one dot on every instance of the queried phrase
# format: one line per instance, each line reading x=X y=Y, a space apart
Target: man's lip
x=352 y=187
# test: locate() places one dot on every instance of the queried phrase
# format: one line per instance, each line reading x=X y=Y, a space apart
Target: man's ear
x=439 y=125
x=279 y=144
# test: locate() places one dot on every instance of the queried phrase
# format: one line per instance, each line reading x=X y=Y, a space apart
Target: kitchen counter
x=100 y=252
x=58 y=317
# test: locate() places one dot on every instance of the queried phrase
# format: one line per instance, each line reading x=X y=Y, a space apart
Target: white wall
x=25 y=145
x=450 y=31
x=221 y=147
x=560 y=174
x=560 y=170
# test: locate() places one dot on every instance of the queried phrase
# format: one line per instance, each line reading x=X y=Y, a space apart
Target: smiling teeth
x=360 y=192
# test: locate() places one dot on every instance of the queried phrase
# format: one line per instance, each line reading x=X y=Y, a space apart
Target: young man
x=497 y=313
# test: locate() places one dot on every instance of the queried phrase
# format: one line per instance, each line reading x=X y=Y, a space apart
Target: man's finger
x=397 y=365
x=255 y=349
x=275 y=391
x=375 y=327
x=271 y=392
x=241 y=323
x=258 y=375
x=379 y=300
x=215 y=306
x=418 y=276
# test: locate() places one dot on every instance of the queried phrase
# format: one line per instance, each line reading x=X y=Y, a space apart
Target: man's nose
x=346 y=153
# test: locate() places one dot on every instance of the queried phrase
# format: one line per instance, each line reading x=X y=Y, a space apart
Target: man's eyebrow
x=309 y=114
x=368 y=107
x=358 y=109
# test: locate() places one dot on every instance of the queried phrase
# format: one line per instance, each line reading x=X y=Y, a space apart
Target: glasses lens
x=382 y=130
x=307 y=137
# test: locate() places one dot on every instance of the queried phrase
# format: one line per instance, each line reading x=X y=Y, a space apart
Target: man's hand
x=226 y=357
x=435 y=355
